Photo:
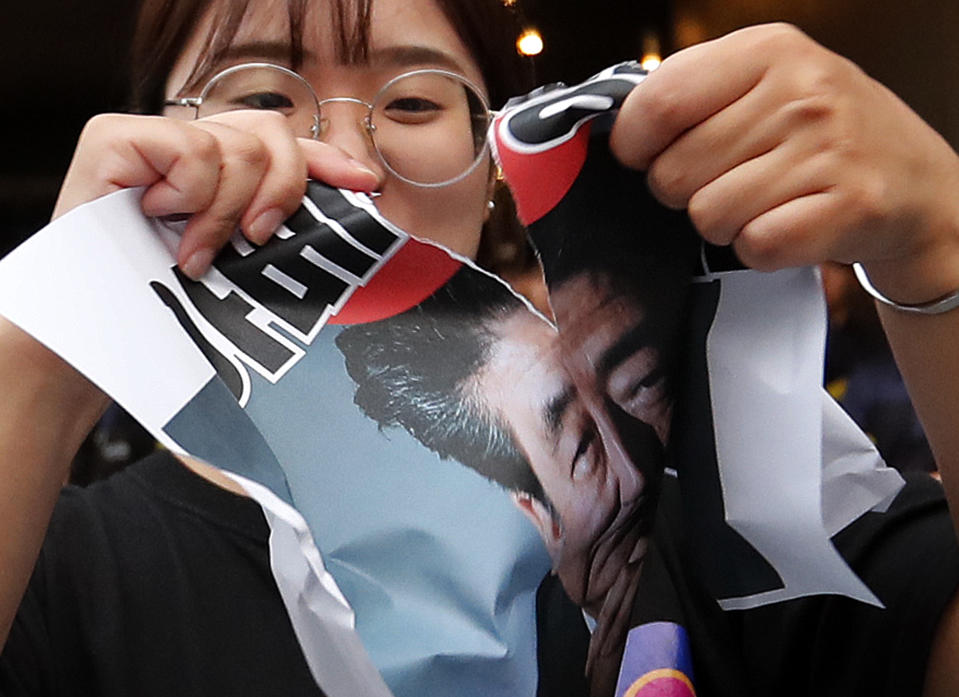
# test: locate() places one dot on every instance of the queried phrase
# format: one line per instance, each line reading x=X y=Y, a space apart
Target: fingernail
x=356 y=164
x=197 y=263
x=265 y=224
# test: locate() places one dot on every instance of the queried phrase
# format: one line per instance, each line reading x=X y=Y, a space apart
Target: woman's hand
x=794 y=156
x=241 y=168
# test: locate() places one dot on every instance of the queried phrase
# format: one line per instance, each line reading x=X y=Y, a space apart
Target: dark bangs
x=165 y=26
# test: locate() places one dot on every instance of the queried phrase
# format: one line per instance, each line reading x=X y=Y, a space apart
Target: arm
x=224 y=172
x=794 y=156
x=46 y=411
x=925 y=349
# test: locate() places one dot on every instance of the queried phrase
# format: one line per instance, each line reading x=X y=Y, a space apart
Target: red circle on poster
x=413 y=274
x=664 y=682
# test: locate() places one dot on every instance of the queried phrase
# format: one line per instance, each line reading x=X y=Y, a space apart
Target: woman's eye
x=411 y=108
x=275 y=101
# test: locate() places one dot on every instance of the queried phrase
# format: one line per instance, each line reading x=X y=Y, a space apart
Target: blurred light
x=530 y=43
x=650 y=62
x=688 y=30
x=652 y=51
x=509 y=3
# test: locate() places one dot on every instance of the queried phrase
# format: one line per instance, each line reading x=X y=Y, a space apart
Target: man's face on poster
x=590 y=410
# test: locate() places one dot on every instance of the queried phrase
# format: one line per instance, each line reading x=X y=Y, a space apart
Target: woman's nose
x=344 y=124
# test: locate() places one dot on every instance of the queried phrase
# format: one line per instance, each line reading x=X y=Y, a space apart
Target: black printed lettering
x=321 y=238
x=540 y=123
x=359 y=223
x=229 y=316
x=221 y=364
x=296 y=278
x=320 y=288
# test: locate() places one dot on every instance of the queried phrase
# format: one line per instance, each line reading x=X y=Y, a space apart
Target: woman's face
x=404 y=35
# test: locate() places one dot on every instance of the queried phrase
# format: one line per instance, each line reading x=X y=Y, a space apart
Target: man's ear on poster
x=542 y=518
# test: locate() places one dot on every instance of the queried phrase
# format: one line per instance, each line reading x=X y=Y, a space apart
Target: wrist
x=45 y=399
x=919 y=281
x=937 y=306
x=913 y=256
x=924 y=268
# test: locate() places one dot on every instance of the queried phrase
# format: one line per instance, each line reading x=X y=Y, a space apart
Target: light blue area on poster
x=440 y=567
x=214 y=428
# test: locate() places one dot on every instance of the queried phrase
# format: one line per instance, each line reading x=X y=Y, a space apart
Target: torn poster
x=428 y=448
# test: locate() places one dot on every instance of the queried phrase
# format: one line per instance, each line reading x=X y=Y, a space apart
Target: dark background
x=64 y=60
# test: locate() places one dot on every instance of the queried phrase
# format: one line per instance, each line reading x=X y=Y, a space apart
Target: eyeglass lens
x=262 y=87
x=428 y=127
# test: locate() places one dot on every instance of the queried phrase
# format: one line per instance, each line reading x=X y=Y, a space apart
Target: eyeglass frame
x=367 y=121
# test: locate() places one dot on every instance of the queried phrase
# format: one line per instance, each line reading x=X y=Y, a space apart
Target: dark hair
x=417 y=370
x=630 y=246
x=631 y=237
x=487 y=28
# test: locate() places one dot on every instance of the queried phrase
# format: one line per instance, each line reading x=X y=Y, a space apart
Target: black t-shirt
x=821 y=646
x=157 y=582
x=829 y=645
x=154 y=582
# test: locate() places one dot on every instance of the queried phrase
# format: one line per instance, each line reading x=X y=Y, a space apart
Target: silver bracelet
x=933 y=307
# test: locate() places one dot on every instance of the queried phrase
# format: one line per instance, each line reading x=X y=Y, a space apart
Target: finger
x=289 y=161
x=282 y=182
x=727 y=204
x=244 y=160
x=620 y=595
x=612 y=618
x=742 y=131
x=117 y=151
x=692 y=85
x=803 y=231
x=186 y=164
x=336 y=167
x=292 y=162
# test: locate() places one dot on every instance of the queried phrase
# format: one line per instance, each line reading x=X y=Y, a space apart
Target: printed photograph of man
x=573 y=423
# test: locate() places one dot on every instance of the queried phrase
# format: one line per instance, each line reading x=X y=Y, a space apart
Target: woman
x=241 y=167
x=777 y=147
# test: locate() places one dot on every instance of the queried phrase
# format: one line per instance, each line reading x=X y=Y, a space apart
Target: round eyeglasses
x=428 y=127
